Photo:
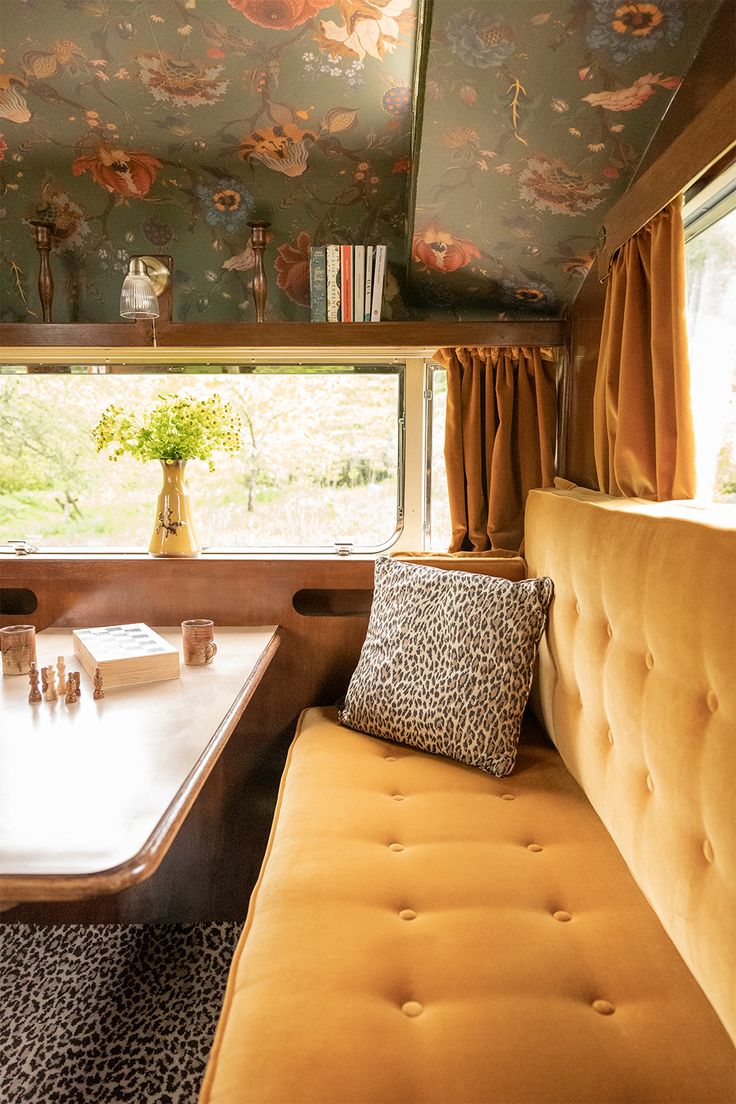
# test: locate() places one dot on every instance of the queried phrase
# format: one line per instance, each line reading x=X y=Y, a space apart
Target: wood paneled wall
x=213 y=862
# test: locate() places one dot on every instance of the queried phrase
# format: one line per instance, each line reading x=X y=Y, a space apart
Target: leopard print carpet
x=109 y=1014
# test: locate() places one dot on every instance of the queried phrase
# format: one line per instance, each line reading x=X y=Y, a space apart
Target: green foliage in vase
x=177 y=427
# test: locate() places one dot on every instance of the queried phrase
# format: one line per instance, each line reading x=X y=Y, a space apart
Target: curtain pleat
x=642 y=423
x=499 y=440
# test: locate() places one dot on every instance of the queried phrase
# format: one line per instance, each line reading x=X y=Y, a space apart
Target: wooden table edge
x=15 y=888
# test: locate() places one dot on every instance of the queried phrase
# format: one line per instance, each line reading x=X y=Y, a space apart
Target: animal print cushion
x=447 y=662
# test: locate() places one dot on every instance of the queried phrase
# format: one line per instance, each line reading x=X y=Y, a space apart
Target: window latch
x=343 y=548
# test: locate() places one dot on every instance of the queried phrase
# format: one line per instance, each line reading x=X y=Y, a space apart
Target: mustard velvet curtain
x=499 y=440
x=642 y=420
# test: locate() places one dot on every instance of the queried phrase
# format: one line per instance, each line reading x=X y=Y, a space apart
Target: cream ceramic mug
x=198 y=641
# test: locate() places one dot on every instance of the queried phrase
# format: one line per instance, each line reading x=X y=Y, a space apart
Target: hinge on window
x=343 y=548
x=428 y=394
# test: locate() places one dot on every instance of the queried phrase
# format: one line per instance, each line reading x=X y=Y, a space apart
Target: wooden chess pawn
x=98 y=691
x=44 y=680
x=61 y=670
x=35 y=693
x=51 y=694
x=71 y=692
x=76 y=683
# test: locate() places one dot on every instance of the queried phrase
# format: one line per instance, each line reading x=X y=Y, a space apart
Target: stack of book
x=346 y=282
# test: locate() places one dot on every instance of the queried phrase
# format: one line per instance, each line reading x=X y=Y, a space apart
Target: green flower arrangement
x=178 y=427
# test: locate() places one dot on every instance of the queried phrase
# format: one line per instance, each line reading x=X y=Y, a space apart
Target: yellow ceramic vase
x=173 y=532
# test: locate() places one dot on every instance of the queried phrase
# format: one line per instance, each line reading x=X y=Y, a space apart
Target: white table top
x=92 y=794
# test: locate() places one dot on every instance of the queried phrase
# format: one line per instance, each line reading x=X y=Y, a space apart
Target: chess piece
x=44 y=680
x=76 y=683
x=35 y=693
x=61 y=669
x=51 y=694
x=71 y=693
x=98 y=691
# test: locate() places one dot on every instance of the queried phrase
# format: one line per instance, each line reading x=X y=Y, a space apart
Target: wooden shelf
x=16 y=338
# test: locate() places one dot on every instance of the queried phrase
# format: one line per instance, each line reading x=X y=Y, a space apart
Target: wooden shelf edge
x=16 y=338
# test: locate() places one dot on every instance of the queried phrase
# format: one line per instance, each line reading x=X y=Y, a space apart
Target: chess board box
x=126 y=654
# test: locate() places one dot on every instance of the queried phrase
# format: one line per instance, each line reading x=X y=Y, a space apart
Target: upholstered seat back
x=637 y=688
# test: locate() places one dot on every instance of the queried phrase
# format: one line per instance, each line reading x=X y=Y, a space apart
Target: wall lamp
x=147 y=279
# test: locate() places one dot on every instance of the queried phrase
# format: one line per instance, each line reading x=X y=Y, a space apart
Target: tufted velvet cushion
x=636 y=686
x=424 y=933
x=447 y=662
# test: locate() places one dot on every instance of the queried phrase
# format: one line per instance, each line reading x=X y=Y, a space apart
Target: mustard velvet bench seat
x=425 y=933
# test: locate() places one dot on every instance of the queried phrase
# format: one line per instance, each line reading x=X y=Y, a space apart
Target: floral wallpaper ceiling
x=163 y=126
x=536 y=114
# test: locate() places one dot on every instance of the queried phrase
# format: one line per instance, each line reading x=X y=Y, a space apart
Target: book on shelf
x=368 y=300
x=318 y=283
x=358 y=282
x=333 y=282
x=379 y=276
x=346 y=283
x=127 y=655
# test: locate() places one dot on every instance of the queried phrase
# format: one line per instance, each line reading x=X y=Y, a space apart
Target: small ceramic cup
x=18 y=646
x=198 y=641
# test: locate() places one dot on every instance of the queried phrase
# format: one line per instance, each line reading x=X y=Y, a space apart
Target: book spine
x=379 y=276
x=318 y=283
x=358 y=283
x=346 y=283
x=333 y=283
x=368 y=283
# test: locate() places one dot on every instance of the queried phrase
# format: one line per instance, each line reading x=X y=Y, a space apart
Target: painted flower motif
x=282 y=148
x=282 y=15
x=182 y=83
x=45 y=64
x=479 y=38
x=629 y=99
x=459 y=137
x=578 y=266
x=292 y=269
x=624 y=29
x=12 y=104
x=127 y=172
x=71 y=227
x=397 y=101
x=241 y=262
x=551 y=185
x=403 y=165
x=158 y=233
x=3 y=147
x=442 y=251
x=226 y=203
x=532 y=295
x=371 y=27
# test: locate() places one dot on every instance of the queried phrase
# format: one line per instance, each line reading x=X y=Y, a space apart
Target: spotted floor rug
x=109 y=1014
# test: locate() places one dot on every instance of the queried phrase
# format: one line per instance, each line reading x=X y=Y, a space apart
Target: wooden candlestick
x=258 y=230
x=44 y=231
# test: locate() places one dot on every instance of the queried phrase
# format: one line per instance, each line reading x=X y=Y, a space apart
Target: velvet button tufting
x=603 y=1007
x=712 y=701
x=610 y=737
x=650 y=783
x=609 y=630
x=708 y=851
x=562 y=916
x=396 y=847
x=534 y=847
x=398 y=797
x=412 y=1008
x=390 y=758
x=407 y=914
x=577 y=608
x=649 y=660
x=508 y=797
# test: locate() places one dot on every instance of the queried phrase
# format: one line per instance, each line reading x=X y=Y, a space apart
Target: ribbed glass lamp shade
x=138 y=298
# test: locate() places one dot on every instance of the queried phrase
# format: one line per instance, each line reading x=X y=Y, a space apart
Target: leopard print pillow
x=447 y=662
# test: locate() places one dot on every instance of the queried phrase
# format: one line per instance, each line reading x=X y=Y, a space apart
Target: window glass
x=711 y=310
x=440 y=530
x=319 y=463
